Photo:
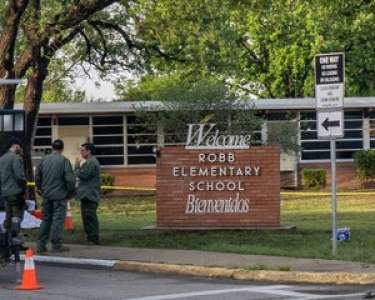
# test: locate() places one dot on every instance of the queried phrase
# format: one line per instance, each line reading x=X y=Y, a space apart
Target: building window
x=315 y=149
x=73 y=121
x=174 y=138
x=108 y=138
x=43 y=135
x=256 y=138
x=371 y=119
x=8 y=123
x=142 y=139
x=12 y=121
x=42 y=139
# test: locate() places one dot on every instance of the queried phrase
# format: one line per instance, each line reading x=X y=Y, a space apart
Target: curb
x=242 y=274
x=338 y=278
x=74 y=261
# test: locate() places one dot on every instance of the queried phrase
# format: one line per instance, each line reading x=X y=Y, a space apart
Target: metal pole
x=10 y=81
x=333 y=191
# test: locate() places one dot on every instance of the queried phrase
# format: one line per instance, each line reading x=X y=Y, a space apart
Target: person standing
x=88 y=192
x=13 y=184
x=55 y=181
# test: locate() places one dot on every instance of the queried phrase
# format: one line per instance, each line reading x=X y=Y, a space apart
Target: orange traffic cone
x=29 y=281
x=68 y=224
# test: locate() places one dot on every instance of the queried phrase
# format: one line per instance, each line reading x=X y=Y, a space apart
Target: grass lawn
x=121 y=220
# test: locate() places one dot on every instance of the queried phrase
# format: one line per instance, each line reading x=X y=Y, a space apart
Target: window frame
x=346 y=120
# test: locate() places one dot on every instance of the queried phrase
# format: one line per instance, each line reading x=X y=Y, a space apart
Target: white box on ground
x=330 y=124
x=329 y=95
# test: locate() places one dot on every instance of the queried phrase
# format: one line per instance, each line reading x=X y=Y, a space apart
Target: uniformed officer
x=88 y=173
x=13 y=183
x=55 y=181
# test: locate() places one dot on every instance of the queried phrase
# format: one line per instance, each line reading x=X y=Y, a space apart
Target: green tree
x=185 y=100
x=91 y=33
x=196 y=100
x=58 y=86
x=176 y=86
x=350 y=27
x=264 y=48
x=276 y=50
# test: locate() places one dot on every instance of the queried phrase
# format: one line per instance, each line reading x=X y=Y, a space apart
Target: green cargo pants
x=54 y=212
x=14 y=206
x=90 y=220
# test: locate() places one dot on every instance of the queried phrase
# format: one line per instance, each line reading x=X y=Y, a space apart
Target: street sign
x=329 y=80
x=330 y=124
x=329 y=94
x=329 y=68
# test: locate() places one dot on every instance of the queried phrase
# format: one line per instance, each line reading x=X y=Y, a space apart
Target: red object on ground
x=37 y=214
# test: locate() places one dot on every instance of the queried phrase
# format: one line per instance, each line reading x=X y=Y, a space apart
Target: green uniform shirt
x=54 y=177
x=12 y=175
x=89 y=180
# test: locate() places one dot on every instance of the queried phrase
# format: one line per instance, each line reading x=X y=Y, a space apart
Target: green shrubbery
x=314 y=178
x=107 y=180
x=364 y=164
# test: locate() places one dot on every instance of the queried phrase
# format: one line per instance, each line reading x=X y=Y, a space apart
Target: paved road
x=73 y=283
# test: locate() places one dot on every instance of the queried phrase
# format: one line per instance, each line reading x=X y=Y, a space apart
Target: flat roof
x=132 y=106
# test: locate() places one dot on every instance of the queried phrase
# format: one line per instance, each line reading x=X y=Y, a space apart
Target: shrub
x=364 y=164
x=107 y=180
x=314 y=178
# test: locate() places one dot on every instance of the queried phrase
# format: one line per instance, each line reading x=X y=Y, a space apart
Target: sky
x=106 y=88
x=105 y=91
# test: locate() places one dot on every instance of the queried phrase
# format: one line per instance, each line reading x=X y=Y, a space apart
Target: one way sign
x=330 y=124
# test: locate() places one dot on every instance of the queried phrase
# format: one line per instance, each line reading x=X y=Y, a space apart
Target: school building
x=126 y=146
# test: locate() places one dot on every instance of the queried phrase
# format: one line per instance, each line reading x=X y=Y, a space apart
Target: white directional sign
x=329 y=96
x=330 y=124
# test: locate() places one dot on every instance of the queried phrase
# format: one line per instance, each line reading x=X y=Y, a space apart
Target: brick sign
x=218 y=188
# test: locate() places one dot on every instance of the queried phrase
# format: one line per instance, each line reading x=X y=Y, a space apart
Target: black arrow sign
x=328 y=123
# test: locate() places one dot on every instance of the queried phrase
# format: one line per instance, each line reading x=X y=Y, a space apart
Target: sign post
x=329 y=93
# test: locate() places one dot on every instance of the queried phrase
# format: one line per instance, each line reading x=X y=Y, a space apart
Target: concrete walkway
x=212 y=264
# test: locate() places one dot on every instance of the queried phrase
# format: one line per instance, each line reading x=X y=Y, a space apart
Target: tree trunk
x=7 y=96
x=10 y=25
x=33 y=97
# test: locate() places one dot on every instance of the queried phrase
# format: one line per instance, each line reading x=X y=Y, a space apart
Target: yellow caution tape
x=134 y=188
x=327 y=193
x=108 y=187
x=126 y=188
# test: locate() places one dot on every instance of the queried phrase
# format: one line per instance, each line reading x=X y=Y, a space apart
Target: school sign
x=218 y=181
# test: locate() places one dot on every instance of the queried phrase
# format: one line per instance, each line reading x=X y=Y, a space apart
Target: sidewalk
x=212 y=264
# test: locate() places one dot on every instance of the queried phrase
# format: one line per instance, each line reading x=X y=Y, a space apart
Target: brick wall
x=133 y=177
x=262 y=192
x=146 y=176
